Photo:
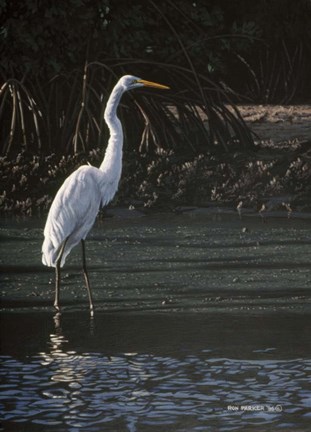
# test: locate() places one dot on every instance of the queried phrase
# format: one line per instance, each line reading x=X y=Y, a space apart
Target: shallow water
x=201 y=324
x=166 y=262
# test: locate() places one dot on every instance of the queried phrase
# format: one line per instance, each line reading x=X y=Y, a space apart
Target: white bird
x=85 y=191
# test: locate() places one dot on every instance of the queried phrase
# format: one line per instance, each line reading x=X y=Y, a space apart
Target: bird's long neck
x=112 y=162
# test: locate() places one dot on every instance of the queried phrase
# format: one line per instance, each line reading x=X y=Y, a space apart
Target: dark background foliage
x=44 y=38
x=59 y=61
x=210 y=52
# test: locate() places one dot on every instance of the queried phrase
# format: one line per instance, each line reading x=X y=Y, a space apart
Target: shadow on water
x=140 y=372
x=200 y=325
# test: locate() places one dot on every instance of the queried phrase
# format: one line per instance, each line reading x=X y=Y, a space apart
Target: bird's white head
x=129 y=82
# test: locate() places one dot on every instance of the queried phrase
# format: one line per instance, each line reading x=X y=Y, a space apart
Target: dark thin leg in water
x=57 y=275
x=86 y=277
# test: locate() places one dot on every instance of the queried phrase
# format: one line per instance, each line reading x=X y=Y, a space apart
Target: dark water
x=139 y=372
x=201 y=325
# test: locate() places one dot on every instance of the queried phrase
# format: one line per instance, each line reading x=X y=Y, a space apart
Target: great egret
x=77 y=202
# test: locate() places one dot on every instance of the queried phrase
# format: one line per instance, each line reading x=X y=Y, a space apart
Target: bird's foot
x=57 y=308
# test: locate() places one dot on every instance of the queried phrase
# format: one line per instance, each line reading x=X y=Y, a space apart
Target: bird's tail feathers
x=50 y=254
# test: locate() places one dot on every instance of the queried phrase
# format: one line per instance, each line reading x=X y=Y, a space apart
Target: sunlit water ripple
x=142 y=392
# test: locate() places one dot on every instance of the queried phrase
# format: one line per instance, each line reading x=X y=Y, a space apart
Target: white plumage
x=74 y=211
x=77 y=202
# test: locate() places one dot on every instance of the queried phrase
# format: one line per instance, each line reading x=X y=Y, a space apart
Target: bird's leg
x=86 y=277
x=57 y=283
x=57 y=275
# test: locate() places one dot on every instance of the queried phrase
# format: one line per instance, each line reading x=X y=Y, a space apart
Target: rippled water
x=136 y=372
x=200 y=325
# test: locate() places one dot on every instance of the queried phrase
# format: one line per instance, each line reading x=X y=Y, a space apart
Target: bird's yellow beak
x=152 y=84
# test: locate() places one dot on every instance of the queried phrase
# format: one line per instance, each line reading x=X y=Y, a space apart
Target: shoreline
x=276 y=174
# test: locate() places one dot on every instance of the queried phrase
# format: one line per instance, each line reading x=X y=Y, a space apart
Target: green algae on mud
x=163 y=262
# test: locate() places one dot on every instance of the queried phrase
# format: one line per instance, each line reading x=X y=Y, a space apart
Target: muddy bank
x=275 y=175
x=280 y=124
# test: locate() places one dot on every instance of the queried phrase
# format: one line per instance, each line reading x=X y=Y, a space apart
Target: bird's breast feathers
x=89 y=183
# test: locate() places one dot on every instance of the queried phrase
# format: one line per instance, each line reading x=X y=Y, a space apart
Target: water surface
x=201 y=324
x=167 y=262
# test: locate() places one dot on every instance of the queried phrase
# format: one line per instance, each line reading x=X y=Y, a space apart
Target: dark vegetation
x=188 y=146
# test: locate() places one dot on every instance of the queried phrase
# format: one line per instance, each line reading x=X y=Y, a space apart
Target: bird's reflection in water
x=57 y=318
x=76 y=385
x=61 y=361
x=90 y=385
